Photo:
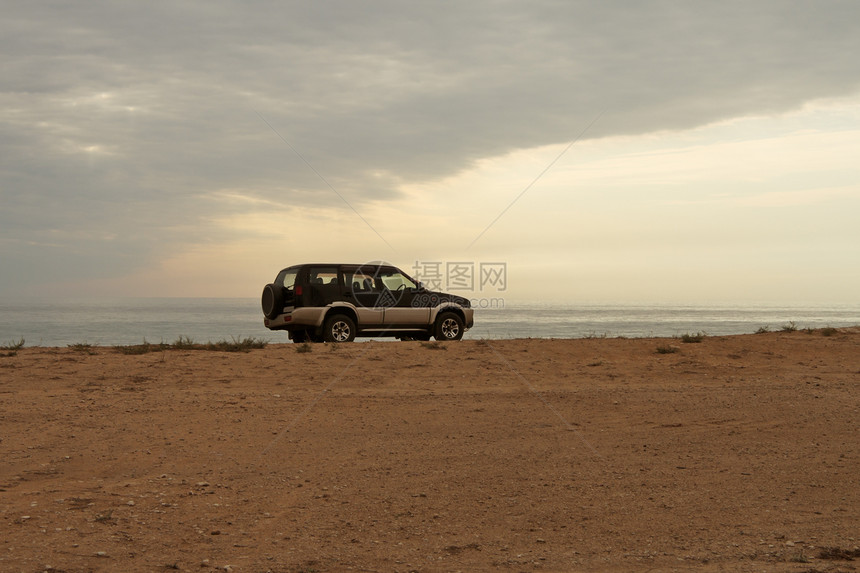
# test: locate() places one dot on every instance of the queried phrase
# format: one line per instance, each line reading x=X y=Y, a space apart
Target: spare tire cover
x=273 y=300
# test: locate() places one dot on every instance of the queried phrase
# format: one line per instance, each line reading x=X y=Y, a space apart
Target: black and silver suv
x=337 y=302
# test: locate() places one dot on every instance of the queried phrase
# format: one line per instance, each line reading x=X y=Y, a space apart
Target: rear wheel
x=449 y=326
x=339 y=328
x=305 y=336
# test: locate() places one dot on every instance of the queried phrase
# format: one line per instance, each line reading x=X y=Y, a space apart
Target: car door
x=365 y=293
x=323 y=285
x=407 y=307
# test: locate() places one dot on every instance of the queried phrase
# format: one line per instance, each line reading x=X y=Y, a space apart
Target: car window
x=394 y=280
x=322 y=276
x=360 y=281
x=287 y=278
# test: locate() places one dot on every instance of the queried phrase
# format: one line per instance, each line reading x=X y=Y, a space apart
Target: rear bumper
x=296 y=318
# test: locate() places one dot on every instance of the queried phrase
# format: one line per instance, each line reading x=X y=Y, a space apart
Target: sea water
x=121 y=321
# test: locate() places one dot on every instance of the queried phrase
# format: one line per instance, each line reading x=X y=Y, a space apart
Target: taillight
x=298 y=291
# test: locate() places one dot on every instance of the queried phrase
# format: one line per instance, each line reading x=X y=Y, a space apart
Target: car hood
x=444 y=297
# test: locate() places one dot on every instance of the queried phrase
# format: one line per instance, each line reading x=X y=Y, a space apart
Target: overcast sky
x=195 y=148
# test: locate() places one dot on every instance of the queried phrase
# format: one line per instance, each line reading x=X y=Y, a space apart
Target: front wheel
x=339 y=328
x=449 y=326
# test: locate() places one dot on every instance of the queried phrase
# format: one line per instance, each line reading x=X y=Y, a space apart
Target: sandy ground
x=738 y=453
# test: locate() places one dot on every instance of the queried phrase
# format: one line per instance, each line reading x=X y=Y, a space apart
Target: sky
x=653 y=151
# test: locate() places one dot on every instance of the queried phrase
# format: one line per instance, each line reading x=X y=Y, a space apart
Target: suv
x=337 y=302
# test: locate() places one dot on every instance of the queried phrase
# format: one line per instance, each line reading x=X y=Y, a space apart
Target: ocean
x=121 y=321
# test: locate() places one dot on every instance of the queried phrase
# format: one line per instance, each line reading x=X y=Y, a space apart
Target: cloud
x=130 y=119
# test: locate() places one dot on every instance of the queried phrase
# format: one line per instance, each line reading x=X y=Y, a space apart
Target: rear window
x=287 y=278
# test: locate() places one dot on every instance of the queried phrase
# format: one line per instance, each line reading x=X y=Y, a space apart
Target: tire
x=449 y=326
x=339 y=328
x=299 y=336
x=272 y=300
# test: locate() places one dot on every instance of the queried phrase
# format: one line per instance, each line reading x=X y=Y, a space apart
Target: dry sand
x=738 y=453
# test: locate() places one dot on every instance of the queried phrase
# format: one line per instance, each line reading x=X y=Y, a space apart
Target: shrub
x=236 y=345
x=183 y=343
x=691 y=338
x=304 y=347
x=13 y=345
x=667 y=349
x=828 y=331
x=131 y=349
x=790 y=327
x=84 y=347
x=143 y=348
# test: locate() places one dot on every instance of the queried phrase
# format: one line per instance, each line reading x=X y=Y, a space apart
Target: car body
x=336 y=302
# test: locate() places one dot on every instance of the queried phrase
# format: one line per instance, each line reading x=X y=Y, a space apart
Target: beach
x=726 y=453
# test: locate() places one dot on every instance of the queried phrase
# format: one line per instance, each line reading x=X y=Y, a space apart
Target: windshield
x=394 y=280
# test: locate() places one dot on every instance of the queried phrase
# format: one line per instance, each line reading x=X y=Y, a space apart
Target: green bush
x=185 y=343
x=236 y=345
x=13 y=345
x=84 y=347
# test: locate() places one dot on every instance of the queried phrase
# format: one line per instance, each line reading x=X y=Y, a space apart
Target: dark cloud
x=119 y=119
